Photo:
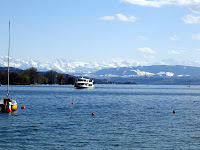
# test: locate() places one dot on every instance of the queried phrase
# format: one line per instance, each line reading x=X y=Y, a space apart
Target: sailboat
x=8 y=104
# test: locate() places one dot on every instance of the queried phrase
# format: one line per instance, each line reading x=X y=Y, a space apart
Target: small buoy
x=92 y=114
x=8 y=110
x=174 y=111
x=23 y=107
x=73 y=103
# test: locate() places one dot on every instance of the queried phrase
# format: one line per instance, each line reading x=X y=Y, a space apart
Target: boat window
x=81 y=84
x=81 y=80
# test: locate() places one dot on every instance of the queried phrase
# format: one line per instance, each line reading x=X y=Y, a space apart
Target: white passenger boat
x=84 y=83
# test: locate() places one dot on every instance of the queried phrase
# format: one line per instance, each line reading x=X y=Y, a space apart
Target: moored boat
x=8 y=104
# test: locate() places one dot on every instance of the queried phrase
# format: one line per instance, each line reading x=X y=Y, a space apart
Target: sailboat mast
x=8 y=63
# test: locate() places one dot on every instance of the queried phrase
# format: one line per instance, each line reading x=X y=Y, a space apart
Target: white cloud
x=122 y=17
x=190 y=19
x=147 y=3
x=143 y=38
x=175 y=52
x=198 y=50
x=174 y=38
x=146 y=50
x=119 y=17
x=196 y=36
x=107 y=18
x=149 y=57
x=193 y=5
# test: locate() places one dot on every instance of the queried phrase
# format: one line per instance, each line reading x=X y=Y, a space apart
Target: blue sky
x=153 y=31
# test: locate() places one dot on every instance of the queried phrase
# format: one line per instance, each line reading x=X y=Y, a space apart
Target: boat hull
x=8 y=103
x=84 y=87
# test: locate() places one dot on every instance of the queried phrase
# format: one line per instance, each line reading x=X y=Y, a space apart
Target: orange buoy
x=73 y=103
x=92 y=114
x=23 y=107
x=174 y=111
x=8 y=110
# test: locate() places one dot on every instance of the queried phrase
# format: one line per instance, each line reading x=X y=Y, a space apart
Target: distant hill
x=156 y=74
x=118 y=67
x=150 y=71
x=18 y=76
x=12 y=69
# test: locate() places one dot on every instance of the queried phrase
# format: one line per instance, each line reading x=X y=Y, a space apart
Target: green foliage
x=44 y=80
x=26 y=79
x=51 y=76
x=32 y=76
x=60 y=78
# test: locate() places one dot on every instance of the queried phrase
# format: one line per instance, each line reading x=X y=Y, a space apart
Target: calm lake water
x=126 y=117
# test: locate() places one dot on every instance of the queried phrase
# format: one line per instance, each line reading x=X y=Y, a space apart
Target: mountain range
x=66 y=66
x=175 y=71
x=117 y=68
x=155 y=74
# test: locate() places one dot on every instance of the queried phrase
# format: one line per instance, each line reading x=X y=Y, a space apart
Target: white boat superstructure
x=84 y=83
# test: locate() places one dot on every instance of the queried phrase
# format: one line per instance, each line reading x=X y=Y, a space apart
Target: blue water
x=126 y=117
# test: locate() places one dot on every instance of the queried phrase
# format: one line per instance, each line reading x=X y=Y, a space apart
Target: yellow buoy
x=14 y=107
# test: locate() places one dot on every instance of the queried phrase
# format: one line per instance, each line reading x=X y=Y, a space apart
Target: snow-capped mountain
x=174 y=71
x=116 y=68
x=67 y=66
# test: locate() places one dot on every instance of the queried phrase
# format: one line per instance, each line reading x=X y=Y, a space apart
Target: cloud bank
x=119 y=17
x=174 y=52
x=190 y=19
x=146 y=50
x=193 y=5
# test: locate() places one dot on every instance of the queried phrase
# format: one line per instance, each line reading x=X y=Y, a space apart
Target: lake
x=126 y=117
